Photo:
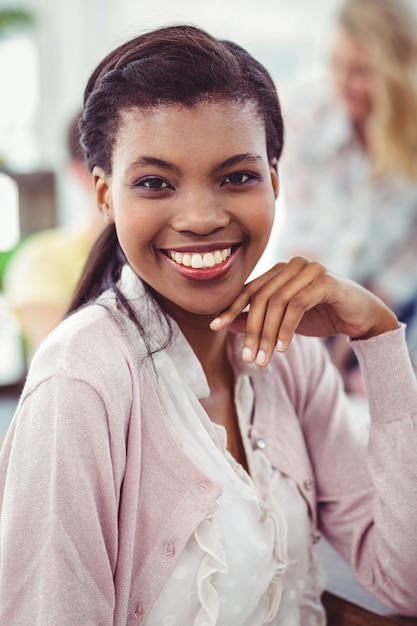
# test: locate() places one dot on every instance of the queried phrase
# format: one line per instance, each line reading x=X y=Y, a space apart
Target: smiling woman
x=177 y=449
x=167 y=206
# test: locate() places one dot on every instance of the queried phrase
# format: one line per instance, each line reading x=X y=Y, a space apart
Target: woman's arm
x=301 y=296
x=367 y=506
x=366 y=492
x=59 y=488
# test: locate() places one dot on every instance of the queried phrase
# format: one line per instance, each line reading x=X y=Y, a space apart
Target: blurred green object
x=11 y=19
x=4 y=259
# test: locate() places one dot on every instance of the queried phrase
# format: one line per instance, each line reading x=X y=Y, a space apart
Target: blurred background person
x=40 y=276
x=349 y=170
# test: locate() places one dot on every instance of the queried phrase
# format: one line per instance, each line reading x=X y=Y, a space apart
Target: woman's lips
x=202 y=265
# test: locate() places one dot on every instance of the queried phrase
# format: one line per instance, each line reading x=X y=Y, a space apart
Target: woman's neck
x=210 y=348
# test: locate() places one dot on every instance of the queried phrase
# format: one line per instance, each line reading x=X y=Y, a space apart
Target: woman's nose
x=200 y=213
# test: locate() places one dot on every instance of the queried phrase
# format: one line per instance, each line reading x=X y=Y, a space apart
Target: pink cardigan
x=98 y=499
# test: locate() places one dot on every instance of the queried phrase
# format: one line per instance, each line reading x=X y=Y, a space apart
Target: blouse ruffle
x=208 y=537
x=233 y=568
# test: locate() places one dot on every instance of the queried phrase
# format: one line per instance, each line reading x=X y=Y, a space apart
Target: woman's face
x=192 y=195
x=352 y=75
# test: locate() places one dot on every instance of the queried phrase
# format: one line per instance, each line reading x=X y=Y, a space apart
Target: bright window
x=19 y=102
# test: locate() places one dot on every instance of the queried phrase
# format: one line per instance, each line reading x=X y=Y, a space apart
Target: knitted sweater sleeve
x=367 y=487
x=62 y=467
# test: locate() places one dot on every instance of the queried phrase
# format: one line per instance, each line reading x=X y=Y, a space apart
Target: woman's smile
x=206 y=266
x=199 y=260
x=193 y=205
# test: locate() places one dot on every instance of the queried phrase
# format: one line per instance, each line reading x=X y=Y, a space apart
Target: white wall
x=74 y=35
x=287 y=36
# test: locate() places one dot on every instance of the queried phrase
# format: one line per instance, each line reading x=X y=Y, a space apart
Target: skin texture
x=187 y=202
x=196 y=180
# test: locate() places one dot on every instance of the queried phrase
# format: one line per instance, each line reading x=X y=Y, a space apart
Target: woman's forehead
x=205 y=130
x=165 y=119
x=224 y=107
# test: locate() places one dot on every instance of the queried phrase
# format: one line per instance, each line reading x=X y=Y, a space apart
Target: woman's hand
x=302 y=296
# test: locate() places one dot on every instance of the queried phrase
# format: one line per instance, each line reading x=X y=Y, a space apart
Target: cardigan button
x=138 y=609
x=309 y=483
x=135 y=615
x=260 y=443
x=170 y=548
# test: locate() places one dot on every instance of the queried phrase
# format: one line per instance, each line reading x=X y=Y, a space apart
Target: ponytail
x=101 y=271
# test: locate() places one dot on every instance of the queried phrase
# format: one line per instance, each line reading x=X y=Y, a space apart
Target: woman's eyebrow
x=149 y=160
x=237 y=159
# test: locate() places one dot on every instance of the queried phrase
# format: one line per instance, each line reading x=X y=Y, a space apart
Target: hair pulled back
x=173 y=65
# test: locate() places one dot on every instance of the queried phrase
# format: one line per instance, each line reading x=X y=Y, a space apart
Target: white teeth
x=208 y=260
x=186 y=260
x=198 y=261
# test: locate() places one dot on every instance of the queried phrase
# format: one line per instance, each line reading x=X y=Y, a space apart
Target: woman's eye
x=239 y=178
x=153 y=183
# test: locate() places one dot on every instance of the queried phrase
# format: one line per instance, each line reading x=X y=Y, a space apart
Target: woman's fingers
x=229 y=315
x=275 y=313
x=269 y=297
x=301 y=296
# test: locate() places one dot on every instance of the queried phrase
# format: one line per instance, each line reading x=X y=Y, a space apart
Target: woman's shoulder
x=82 y=345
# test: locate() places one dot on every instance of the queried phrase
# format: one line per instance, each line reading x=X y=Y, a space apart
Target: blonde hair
x=388 y=31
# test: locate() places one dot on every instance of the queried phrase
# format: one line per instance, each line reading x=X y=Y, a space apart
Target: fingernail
x=280 y=346
x=246 y=354
x=215 y=322
x=261 y=357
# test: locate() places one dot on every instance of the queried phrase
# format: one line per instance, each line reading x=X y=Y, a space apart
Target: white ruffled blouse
x=250 y=562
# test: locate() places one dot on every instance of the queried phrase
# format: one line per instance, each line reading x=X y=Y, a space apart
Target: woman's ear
x=103 y=196
x=273 y=169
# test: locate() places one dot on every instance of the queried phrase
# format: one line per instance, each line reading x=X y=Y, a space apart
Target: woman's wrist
x=387 y=322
